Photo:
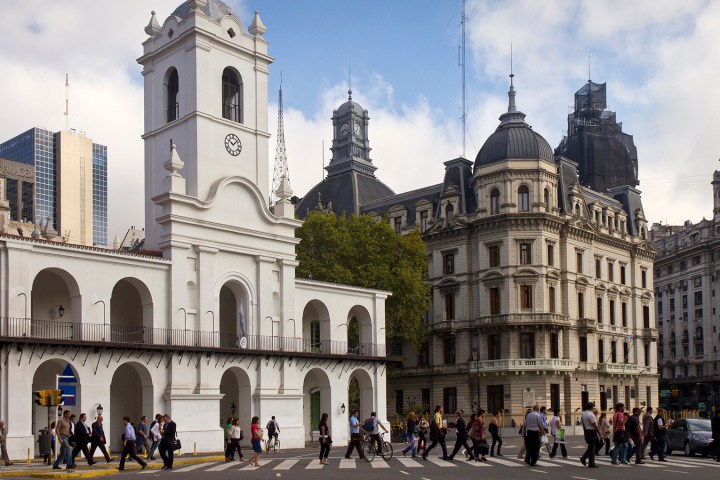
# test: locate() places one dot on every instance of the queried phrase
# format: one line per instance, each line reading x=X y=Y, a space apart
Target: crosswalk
x=402 y=463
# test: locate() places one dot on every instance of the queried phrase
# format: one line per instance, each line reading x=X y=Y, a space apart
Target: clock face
x=233 y=145
x=356 y=129
x=344 y=129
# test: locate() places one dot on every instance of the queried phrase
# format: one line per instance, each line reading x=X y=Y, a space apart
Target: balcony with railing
x=535 y=365
x=70 y=333
x=650 y=334
x=589 y=324
x=446 y=326
x=523 y=320
x=618 y=368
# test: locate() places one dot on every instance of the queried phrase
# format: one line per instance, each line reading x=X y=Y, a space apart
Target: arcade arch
x=315 y=326
x=234 y=322
x=237 y=392
x=131 y=309
x=56 y=305
x=359 y=331
x=316 y=401
x=131 y=395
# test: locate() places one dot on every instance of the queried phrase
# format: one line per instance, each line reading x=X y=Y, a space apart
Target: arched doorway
x=361 y=393
x=359 y=325
x=131 y=395
x=316 y=327
x=316 y=401
x=46 y=377
x=234 y=322
x=237 y=392
x=56 y=305
x=131 y=310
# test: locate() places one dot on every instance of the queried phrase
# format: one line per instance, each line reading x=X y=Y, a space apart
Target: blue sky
x=659 y=58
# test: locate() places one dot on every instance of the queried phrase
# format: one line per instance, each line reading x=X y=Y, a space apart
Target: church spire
x=511 y=92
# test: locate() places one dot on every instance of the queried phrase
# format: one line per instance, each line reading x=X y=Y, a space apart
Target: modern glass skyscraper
x=39 y=147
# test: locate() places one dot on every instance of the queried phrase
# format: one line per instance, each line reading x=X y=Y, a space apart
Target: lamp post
x=26 y=302
x=185 y=312
x=99 y=410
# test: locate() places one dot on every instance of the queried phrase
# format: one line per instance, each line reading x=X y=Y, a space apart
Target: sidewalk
x=37 y=469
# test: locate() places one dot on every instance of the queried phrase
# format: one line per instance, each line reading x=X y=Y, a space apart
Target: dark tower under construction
x=606 y=156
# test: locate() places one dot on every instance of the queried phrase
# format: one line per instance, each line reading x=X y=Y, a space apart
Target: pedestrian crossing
x=402 y=463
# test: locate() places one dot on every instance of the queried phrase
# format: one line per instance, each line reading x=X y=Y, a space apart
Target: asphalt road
x=303 y=464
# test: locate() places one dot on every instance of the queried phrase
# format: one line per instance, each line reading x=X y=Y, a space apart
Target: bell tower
x=716 y=196
x=350 y=146
x=205 y=80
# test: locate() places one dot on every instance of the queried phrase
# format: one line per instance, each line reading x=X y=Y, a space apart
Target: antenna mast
x=281 y=166
x=463 y=20
x=67 y=102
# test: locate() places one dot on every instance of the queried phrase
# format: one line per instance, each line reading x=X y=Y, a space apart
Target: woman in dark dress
x=324 y=440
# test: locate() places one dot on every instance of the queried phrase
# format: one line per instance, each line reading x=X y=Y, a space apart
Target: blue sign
x=68 y=395
x=67 y=376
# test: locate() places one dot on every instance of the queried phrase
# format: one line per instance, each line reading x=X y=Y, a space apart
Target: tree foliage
x=358 y=250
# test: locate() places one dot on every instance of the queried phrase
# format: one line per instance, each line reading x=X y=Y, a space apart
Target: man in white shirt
x=129 y=445
x=590 y=427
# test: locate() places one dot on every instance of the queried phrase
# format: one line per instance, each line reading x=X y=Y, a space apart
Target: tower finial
x=511 y=92
x=349 y=85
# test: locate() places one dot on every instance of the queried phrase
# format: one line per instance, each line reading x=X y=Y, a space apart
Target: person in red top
x=620 y=435
x=256 y=440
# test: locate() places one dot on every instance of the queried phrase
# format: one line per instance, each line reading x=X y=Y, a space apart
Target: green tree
x=358 y=250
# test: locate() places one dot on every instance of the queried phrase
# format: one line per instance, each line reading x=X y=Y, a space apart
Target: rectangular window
x=623 y=312
x=611 y=271
x=494 y=348
x=424 y=355
x=612 y=312
x=583 y=349
x=425 y=398
x=579 y=261
x=494 y=301
x=525 y=254
x=494 y=256
x=659 y=308
x=646 y=316
x=399 y=402
x=601 y=351
x=450 y=399
x=448 y=263
x=550 y=255
x=599 y=310
x=398 y=224
x=684 y=302
x=526 y=297
x=449 y=306
x=551 y=299
x=581 y=305
x=449 y=351
x=554 y=346
x=697 y=260
x=698 y=299
x=527 y=345
x=647 y=354
x=643 y=278
x=598 y=268
x=697 y=282
x=626 y=352
x=613 y=351
x=423 y=221
x=672 y=304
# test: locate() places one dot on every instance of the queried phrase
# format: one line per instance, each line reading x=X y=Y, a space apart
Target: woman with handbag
x=411 y=435
x=423 y=427
x=235 y=434
x=479 y=437
x=620 y=436
x=256 y=440
x=604 y=434
x=325 y=440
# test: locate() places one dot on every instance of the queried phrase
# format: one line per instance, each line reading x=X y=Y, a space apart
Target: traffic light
x=57 y=398
x=42 y=398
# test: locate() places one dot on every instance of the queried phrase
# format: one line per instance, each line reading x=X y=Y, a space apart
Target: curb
x=106 y=470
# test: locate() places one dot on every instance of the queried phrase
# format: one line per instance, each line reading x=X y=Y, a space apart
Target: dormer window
x=172 y=88
x=232 y=96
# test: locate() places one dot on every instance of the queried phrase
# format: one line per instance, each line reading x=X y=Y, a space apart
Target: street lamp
x=232 y=409
x=61 y=310
x=25 y=296
x=99 y=410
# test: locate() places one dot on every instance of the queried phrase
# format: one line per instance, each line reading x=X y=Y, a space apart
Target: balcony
x=447 y=326
x=618 y=368
x=522 y=320
x=68 y=333
x=588 y=324
x=536 y=365
x=650 y=334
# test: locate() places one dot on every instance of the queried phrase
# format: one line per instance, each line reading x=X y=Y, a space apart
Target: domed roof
x=349 y=106
x=513 y=139
x=215 y=9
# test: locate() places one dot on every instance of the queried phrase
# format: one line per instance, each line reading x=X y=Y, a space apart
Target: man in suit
x=82 y=438
x=169 y=433
x=461 y=434
x=97 y=438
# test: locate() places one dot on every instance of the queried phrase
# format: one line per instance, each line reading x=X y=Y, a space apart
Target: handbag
x=483 y=448
x=544 y=440
x=175 y=445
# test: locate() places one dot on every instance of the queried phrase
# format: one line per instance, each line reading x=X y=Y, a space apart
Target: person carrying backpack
x=273 y=429
x=437 y=434
x=371 y=428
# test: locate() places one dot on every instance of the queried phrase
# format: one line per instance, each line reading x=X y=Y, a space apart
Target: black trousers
x=461 y=442
x=94 y=445
x=166 y=453
x=324 y=449
x=532 y=446
x=82 y=446
x=441 y=440
x=496 y=440
x=129 y=450
x=563 y=449
x=355 y=442
x=593 y=443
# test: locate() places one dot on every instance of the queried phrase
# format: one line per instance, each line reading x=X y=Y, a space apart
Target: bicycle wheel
x=276 y=446
x=387 y=451
x=369 y=451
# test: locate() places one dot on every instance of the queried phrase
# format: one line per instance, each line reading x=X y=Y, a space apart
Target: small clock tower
x=350 y=147
x=205 y=80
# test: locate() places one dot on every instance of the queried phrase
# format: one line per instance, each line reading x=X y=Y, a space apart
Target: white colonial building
x=208 y=320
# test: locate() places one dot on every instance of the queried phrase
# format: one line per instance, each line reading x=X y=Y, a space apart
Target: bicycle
x=273 y=444
x=370 y=449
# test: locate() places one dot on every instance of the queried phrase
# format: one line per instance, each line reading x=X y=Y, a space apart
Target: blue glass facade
x=99 y=192
x=37 y=146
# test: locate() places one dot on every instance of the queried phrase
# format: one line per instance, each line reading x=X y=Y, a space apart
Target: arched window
x=232 y=96
x=546 y=199
x=523 y=199
x=495 y=202
x=172 y=88
x=449 y=211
